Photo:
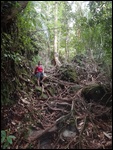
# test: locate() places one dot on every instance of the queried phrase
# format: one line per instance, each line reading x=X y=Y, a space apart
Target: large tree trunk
x=57 y=62
x=66 y=47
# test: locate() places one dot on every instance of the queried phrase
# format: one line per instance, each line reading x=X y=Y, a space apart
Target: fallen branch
x=40 y=133
x=63 y=110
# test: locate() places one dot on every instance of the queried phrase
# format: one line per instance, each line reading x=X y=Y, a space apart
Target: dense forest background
x=59 y=34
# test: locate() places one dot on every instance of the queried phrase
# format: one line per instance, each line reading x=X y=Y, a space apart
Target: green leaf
x=3 y=139
x=17 y=5
x=12 y=136
x=9 y=140
x=5 y=145
x=3 y=133
x=5 y=55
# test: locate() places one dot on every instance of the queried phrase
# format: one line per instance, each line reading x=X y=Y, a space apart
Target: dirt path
x=58 y=118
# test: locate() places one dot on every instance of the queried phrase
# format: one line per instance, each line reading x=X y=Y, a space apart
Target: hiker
x=39 y=73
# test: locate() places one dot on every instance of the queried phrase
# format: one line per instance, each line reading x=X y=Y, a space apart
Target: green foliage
x=102 y=17
x=35 y=60
x=17 y=5
x=6 y=140
x=17 y=45
x=32 y=33
x=14 y=56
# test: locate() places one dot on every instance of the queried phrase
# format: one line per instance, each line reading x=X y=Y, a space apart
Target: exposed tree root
x=62 y=120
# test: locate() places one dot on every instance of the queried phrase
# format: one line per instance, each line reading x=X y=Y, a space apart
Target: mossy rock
x=97 y=93
x=75 y=88
x=67 y=73
x=93 y=92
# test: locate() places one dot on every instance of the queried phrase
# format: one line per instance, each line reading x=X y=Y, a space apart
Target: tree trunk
x=57 y=62
x=66 y=47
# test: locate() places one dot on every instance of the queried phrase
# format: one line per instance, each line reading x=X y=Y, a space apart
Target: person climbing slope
x=39 y=73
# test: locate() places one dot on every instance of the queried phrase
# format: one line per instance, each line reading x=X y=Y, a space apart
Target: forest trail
x=59 y=117
x=75 y=109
